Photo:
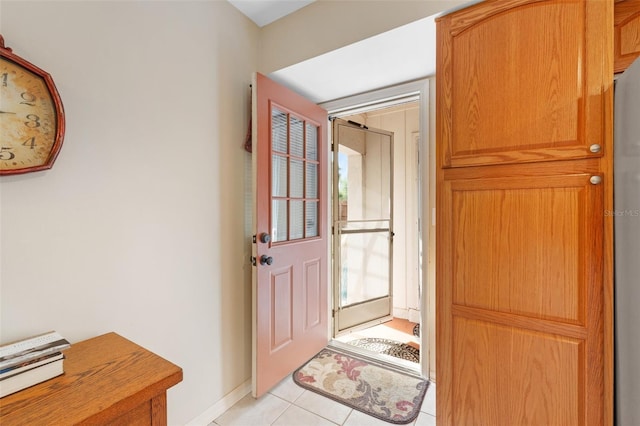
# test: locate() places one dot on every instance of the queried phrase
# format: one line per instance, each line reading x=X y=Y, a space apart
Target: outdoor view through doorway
x=376 y=248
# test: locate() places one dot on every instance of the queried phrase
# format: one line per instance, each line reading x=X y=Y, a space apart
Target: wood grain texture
x=524 y=252
x=532 y=377
x=529 y=255
x=626 y=34
x=525 y=96
x=139 y=416
x=159 y=410
x=105 y=378
x=444 y=366
x=606 y=166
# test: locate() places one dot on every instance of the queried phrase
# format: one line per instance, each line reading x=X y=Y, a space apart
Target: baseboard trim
x=222 y=405
x=414 y=316
x=401 y=313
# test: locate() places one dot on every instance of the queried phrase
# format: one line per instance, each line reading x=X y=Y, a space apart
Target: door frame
x=424 y=89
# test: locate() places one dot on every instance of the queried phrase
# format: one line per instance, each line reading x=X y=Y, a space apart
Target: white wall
x=139 y=228
x=327 y=25
x=403 y=121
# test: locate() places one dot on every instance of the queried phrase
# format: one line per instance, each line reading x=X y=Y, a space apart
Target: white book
x=28 y=349
x=31 y=377
x=28 y=365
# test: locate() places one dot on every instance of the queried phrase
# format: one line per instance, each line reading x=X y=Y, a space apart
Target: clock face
x=28 y=124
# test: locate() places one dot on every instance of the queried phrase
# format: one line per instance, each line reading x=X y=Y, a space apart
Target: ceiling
x=264 y=12
x=383 y=60
x=397 y=56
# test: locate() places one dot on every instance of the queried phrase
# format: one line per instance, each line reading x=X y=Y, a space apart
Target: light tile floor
x=290 y=405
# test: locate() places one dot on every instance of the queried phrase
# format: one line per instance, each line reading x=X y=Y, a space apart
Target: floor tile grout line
x=308 y=411
x=305 y=391
x=283 y=411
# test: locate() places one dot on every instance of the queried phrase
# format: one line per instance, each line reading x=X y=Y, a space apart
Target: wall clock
x=31 y=116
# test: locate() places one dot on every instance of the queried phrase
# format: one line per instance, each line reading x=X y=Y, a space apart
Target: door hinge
x=253 y=261
x=254 y=239
x=333 y=313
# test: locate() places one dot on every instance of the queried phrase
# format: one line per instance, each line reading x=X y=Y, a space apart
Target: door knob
x=265 y=238
x=266 y=260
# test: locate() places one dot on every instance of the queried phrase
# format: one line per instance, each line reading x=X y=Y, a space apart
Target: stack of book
x=31 y=361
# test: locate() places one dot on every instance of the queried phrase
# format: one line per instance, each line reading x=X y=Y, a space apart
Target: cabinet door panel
x=520 y=245
x=534 y=375
x=626 y=34
x=520 y=297
x=523 y=87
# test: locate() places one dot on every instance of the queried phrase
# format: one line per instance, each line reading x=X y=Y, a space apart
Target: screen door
x=363 y=224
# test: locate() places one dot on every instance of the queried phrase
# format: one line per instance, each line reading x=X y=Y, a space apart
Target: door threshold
x=365 y=326
x=388 y=361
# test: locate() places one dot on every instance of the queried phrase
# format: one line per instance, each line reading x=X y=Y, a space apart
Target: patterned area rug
x=388 y=347
x=374 y=389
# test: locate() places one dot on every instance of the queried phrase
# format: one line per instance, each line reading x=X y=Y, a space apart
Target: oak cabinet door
x=524 y=247
x=626 y=34
x=522 y=292
x=521 y=81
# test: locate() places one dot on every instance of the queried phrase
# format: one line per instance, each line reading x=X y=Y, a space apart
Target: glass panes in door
x=295 y=167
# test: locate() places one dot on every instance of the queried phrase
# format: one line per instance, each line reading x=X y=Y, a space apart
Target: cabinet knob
x=596 y=180
x=595 y=148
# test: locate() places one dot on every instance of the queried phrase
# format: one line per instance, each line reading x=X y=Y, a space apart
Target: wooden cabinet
x=524 y=93
x=517 y=85
x=108 y=380
x=626 y=33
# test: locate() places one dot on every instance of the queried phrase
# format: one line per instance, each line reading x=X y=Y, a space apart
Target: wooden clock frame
x=7 y=52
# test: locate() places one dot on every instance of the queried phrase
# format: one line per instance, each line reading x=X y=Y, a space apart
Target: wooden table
x=106 y=380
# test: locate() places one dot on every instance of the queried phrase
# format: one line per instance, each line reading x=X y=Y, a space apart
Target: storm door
x=362 y=224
